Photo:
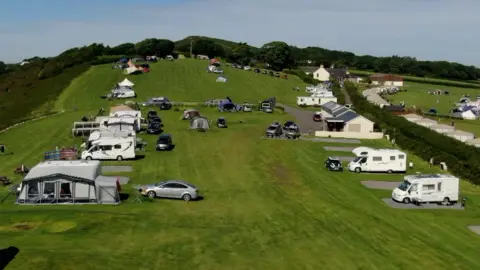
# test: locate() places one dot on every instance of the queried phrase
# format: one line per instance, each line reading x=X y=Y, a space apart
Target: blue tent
x=123 y=60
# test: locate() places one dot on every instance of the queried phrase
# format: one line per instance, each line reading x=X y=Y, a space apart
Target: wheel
x=89 y=158
x=186 y=197
x=389 y=171
x=119 y=158
x=446 y=200
x=357 y=170
x=151 y=194
x=406 y=200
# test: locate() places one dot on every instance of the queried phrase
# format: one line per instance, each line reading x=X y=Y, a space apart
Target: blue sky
x=426 y=29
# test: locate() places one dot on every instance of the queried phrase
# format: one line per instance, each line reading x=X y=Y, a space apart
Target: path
x=304 y=119
x=348 y=100
x=372 y=96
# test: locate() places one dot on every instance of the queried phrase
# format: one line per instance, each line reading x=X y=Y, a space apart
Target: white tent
x=126 y=83
x=221 y=79
x=131 y=70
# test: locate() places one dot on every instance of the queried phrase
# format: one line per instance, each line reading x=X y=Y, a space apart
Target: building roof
x=386 y=77
x=393 y=108
x=340 y=111
x=308 y=69
x=348 y=116
x=336 y=72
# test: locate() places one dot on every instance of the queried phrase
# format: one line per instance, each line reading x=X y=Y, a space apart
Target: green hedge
x=301 y=75
x=461 y=159
x=337 y=92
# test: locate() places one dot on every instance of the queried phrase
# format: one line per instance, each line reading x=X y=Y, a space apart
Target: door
x=177 y=190
x=95 y=152
x=167 y=190
x=363 y=164
x=429 y=193
x=413 y=192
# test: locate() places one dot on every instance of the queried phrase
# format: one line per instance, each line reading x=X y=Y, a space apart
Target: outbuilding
x=386 y=79
x=68 y=182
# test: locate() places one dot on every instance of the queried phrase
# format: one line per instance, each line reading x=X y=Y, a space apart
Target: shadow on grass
x=7 y=255
x=139 y=157
x=124 y=196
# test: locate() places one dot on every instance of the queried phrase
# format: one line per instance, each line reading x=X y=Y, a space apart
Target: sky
x=425 y=29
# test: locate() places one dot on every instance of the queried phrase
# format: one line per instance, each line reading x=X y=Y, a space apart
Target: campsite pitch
x=380 y=185
x=267 y=204
x=399 y=205
x=339 y=148
x=107 y=169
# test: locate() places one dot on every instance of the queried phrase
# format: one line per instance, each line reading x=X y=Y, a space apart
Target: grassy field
x=269 y=204
x=420 y=79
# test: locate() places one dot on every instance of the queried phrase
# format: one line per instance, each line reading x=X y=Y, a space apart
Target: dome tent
x=199 y=123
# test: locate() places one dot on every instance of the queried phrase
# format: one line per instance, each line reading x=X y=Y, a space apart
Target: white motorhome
x=427 y=188
x=111 y=149
x=97 y=135
x=315 y=100
x=378 y=160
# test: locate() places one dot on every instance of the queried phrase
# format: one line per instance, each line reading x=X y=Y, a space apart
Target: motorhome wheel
x=151 y=194
x=119 y=158
x=389 y=171
x=357 y=170
x=446 y=200
x=406 y=200
x=89 y=158
x=186 y=197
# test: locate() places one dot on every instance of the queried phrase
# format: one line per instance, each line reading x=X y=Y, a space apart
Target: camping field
x=268 y=204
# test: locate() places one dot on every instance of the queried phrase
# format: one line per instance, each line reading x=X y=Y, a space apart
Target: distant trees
x=3 y=67
x=123 y=49
x=277 y=54
x=208 y=47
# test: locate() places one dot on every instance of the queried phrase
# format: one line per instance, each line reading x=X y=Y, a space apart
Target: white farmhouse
x=327 y=74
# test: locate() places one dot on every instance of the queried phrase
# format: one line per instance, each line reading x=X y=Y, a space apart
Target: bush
x=301 y=75
x=462 y=159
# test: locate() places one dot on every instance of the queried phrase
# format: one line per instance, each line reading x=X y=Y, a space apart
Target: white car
x=246 y=68
x=125 y=94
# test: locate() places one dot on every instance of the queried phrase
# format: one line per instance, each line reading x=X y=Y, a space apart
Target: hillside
x=268 y=204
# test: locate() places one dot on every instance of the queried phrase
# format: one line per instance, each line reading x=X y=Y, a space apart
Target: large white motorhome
x=111 y=149
x=427 y=188
x=315 y=100
x=378 y=160
x=97 y=135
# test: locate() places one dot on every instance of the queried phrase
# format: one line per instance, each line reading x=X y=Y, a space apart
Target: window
x=439 y=187
x=377 y=158
x=65 y=191
x=363 y=153
x=392 y=158
x=414 y=188
x=401 y=156
x=48 y=188
x=106 y=147
x=428 y=187
x=118 y=146
x=171 y=185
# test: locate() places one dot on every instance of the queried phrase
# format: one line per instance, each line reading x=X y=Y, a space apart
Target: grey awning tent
x=199 y=123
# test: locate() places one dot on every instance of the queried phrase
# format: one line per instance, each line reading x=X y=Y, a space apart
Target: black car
x=164 y=142
x=151 y=114
x=257 y=70
x=333 y=164
x=154 y=128
x=288 y=124
x=221 y=122
x=154 y=119
x=165 y=105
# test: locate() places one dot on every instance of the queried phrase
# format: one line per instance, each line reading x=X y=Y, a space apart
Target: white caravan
x=427 y=188
x=378 y=160
x=315 y=100
x=111 y=149
x=125 y=94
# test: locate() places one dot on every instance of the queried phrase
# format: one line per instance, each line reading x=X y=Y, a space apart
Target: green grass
x=269 y=204
x=420 y=79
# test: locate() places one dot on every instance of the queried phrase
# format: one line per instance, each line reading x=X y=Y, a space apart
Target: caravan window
x=106 y=147
x=377 y=158
x=439 y=187
x=428 y=187
x=392 y=158
x=118 y=146
x=401 y=156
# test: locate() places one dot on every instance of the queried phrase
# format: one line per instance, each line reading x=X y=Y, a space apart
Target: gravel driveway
x=331 y=140
x=380 y=184
x=303 y=118
x=339 y=148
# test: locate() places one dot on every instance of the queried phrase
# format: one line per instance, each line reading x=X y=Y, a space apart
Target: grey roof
x=308 y=69
x=348 y=116
x=335 y=72
x=340 y=111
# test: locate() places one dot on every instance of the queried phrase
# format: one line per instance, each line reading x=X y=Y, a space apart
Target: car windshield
x=163 y=139
x=272 y=128
x=404 y=185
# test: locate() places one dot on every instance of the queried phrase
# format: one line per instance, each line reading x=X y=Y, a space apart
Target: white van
x=427 y=188
x=378 y=160
x=111 y=148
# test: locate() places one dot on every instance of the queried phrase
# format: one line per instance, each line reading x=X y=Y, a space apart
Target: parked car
x=246 y=68
x=174 y=189
x=154 y=128
x=151 y=114
x=274 y=131
x=164 y=142
x=157 y=101
x=221 y=122
x=247 y=108
x=257 y=70
x=333 y=164
x=154 y=119
x=292 y=132
x=317 y=117
x=288 y=124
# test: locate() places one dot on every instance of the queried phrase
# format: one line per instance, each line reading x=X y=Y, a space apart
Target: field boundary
x=31 y=120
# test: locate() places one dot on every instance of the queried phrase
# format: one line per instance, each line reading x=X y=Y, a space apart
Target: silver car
x=175 y=189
